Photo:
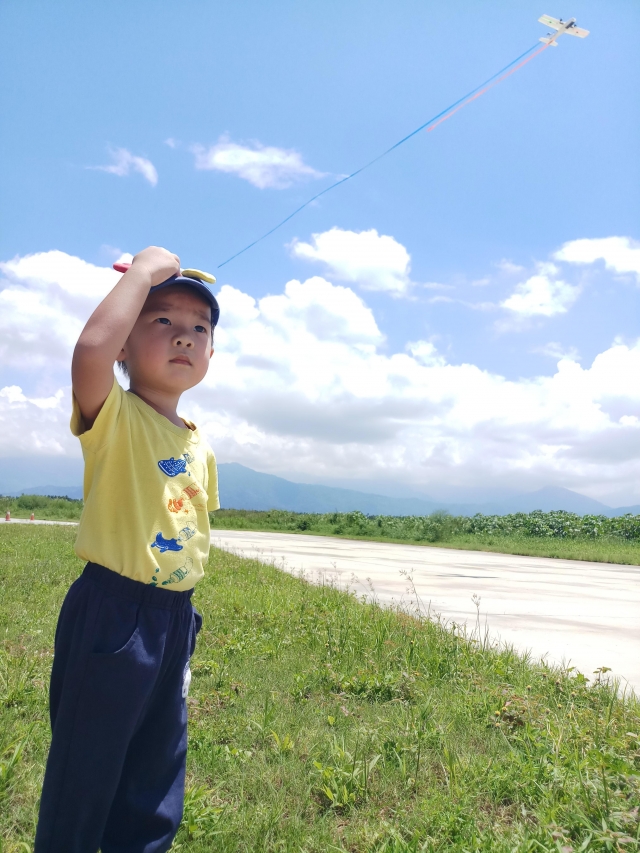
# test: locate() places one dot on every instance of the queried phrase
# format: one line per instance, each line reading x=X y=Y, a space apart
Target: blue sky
x=547 y=158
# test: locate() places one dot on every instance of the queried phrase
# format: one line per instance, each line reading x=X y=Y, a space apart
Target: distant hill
x=34 y=474
x=244 y=488
x=74 y=492
x=548 y=499
x=624 y=510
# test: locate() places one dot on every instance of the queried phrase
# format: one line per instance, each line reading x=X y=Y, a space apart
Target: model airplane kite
x=556 y=24
x=562 y=27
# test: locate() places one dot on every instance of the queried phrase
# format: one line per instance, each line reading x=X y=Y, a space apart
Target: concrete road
x=581 y=614
x=39 y=521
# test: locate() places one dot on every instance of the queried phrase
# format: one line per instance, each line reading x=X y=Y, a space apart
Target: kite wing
x=550 y=22
x=577 y=31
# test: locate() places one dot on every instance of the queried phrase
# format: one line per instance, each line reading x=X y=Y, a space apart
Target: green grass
x=517 y=534
x=43 y=507
x=319 y=723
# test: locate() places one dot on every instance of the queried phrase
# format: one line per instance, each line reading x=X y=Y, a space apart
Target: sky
x=459 y=319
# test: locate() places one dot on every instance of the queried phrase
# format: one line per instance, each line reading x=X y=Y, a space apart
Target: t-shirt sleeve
x=103 y=426
x=213 y=499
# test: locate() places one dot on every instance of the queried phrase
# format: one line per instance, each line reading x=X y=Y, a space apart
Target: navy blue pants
x=115 y=773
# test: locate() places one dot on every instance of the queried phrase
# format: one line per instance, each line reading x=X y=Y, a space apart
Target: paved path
x=585 y=614
x=39 y=521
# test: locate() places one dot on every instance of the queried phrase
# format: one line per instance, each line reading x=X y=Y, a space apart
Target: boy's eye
x=164 y=320
x=200 y=328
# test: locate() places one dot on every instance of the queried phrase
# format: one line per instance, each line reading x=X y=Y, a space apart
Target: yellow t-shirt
x=148 y=486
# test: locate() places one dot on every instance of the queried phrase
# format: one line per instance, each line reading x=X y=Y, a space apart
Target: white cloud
x=556 y=350
x=124 y=162
x=284 y=387
x=32 y=426
x=44 y=300
x=620 y=254
x=13 y=394
x=436 y=285
x=479 y=306
x=432 y=300
x=542 y=294
x=508 y=266
x=371 y=260
x=263 y=166
x=72 y=276
x=304 y=380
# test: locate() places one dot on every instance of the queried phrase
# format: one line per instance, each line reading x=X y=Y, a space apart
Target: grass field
x=536 y=534
x=319 y=723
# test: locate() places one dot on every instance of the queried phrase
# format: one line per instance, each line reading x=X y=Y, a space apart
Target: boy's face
x=170 y=345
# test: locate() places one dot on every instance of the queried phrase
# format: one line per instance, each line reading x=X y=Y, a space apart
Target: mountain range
x=244 y=488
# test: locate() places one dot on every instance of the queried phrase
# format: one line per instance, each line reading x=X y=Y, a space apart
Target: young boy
x=115 y=773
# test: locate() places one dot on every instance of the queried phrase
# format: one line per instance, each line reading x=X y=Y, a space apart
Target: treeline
x=437 y=527
x=46 y=507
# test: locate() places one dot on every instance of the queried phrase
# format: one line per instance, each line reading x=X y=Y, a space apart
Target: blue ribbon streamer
x=380 y=156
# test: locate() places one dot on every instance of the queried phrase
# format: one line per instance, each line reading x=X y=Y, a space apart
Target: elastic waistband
x=143 y=593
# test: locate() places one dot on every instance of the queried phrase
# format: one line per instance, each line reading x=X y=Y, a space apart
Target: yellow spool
x=202 y=276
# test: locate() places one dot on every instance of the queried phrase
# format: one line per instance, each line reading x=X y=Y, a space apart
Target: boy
x=127 y=628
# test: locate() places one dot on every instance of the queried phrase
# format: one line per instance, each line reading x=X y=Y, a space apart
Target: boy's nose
x=183 y=342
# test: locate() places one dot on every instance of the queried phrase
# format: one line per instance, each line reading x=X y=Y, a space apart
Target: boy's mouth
x=181 y=359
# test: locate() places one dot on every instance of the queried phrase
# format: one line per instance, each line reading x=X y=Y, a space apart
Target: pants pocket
x=198 y=620
x=196 y=625
x=116 y=626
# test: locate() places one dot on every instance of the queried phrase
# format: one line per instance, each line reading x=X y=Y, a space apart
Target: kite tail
x=430 y=125
x=486 y=88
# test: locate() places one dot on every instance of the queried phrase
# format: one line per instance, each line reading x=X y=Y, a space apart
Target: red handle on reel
x=121 y=267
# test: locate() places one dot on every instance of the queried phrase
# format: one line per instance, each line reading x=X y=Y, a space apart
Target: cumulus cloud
x=372 y=261
x=264 y=166
x=44 y=300
x=304 y=381
x=124 y=163
x=543 y=294
x=620 y=254
x=283 y=389
x=35 y=425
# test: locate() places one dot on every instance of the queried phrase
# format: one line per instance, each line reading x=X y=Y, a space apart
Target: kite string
x=486 y=88
x=430 y=124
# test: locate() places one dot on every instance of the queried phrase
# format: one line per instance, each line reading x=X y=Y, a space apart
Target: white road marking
x=577 y=613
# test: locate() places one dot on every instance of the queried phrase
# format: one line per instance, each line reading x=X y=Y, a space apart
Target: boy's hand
x=160 y=264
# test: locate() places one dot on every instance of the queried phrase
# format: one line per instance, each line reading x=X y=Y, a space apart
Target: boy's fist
x=159 y=263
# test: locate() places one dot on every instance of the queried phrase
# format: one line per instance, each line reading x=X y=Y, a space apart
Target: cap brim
x=198 y=285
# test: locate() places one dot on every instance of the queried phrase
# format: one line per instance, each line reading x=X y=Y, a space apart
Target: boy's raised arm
x=109 y=327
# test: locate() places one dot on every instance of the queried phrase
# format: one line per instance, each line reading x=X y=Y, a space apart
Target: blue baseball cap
x=196 y=284
x=192 y=278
